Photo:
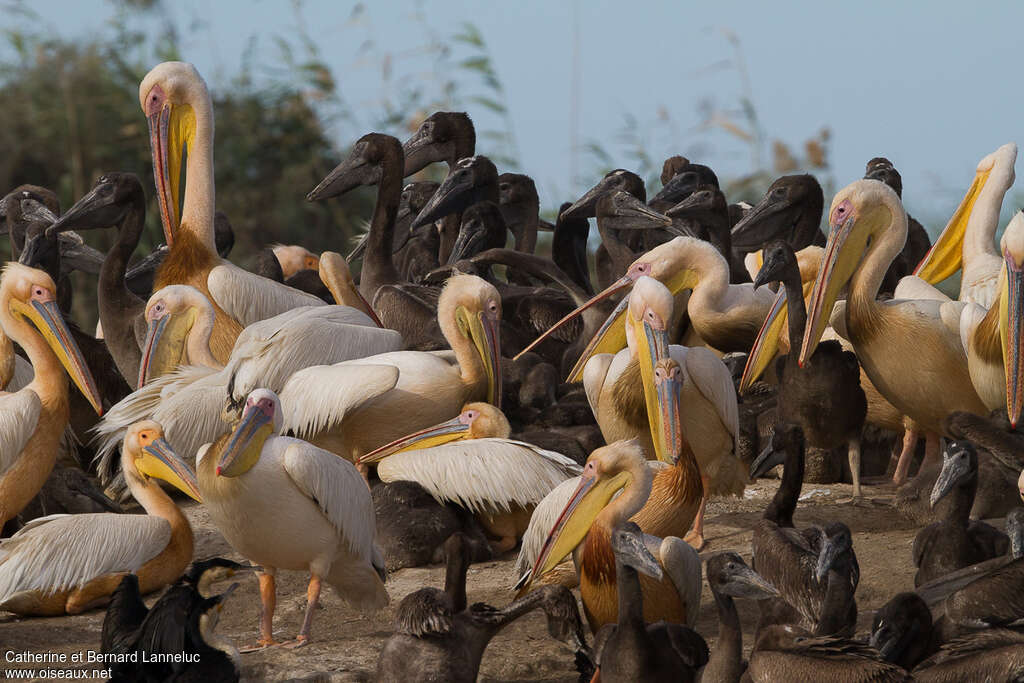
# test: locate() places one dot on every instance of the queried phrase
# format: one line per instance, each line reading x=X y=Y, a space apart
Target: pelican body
x=500 y=480
x=285 y=504
x=65 y=564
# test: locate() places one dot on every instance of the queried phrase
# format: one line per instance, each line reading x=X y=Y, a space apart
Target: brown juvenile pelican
x=438 y=638
x=631 y=650
x=729 y=577
x=115 y=199
x=483 y=227
x=569 y=248
x=519 y=206
x=903 y=632
x=787 y=653
x=815 y=570
x=822 y=395
x=443 y=136
x=790 y=210
x=955 y=541
x=375 y=159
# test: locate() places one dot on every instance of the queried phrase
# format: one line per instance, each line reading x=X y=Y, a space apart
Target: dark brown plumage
x=709 y=215
x=785 y=653
x=917 y=244
x=790 y=210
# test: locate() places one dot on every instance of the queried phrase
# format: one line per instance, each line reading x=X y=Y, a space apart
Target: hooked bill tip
x=218 y=470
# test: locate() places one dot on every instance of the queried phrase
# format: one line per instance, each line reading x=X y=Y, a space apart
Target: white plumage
x=482 y=475
x=19 y=414
x=62 y=552
x=250 y=298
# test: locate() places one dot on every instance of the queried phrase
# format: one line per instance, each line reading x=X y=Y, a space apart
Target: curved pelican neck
x=884 y=247
x=471 y=366
x=630 y=501
x=377 y=259
x=712 y=277
x=198 y=205
x=796 y=311
x=50 y=382
x=148 y=493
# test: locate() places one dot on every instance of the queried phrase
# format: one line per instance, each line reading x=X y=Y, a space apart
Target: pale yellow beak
x=160 y=461
x=1011 y=308
x=171 y=131
x=166 y=340
x=946 y=255
x=446 y=432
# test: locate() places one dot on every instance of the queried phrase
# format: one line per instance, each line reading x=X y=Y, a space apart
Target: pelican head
x=861 y=213
x=836 y=541
x=671 y=263
x=104 y=205
x=146 y=455
x=1011 y=310
x=618 y=180
x=469 y=308
x=362 y=166
x=261 y=417
x=171 y=313
x=608 y=470
x=294 y=258
x=993 y=173
x=778 y=210
x=629 y=548
x=618 y=210
x=175 y=99
x=729 y=575
x=959 y=466
x=476 y=421
x=438 y=138
x=460 y=189
x=30 y=295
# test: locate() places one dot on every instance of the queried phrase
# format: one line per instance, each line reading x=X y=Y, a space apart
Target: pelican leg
x=312 y=599
x=696 y=536
x=903 y=464
x=932 y=448
x=854 y=455
x=268 y=603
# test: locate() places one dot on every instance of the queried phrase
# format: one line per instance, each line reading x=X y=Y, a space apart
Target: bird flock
x=461 y=399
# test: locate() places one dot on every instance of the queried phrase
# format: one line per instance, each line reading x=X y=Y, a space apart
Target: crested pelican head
x=438 y=138
x=294 y=258
x=469 y=311
x=609 y=469
x=262 y=417
x=476 y=421
x=861 y=213
x=28 y=299
x=1011 y=311
x=145 y=454
x=171 y=314
x=176 y=102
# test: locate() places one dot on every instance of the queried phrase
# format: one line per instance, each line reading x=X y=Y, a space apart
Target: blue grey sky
x=931 y=85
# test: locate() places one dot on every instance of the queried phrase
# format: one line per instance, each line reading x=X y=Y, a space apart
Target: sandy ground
x=346 y=644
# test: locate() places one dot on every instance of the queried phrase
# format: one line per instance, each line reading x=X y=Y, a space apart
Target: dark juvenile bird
x=917 y=244
x=955 y=541
x=903 y=631
x=823 y=395
x=790 y=211
x=814 y=569
x=708 y=212
x=569 y=248
x=483 y=227
x=729 y=577
x=786 y=653
x=437 y=638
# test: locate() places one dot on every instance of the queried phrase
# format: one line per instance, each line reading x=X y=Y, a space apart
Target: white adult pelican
x=285 y=504
x=189 y=400
x=584 y=529
x=471 y=461
x=432 y=386
x=33 y=420
x=65 y=564
x=179 y=110
x=709 y=416
x=910 y=349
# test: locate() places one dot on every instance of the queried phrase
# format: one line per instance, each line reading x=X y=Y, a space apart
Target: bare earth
x=345 y=643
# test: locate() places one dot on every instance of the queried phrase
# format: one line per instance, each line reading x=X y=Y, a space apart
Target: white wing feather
x=19 y=414
x=714 y=381
x=338 y=489
x=249 y=298
x=595 y=372
x=970 y=317
x=269 y=351
x=482 y=475
x=23 y=375
x=913 y=287
x=318 y=397
x=60 y=552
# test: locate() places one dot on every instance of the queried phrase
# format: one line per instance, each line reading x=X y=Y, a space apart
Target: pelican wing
x=23 y=375
x=187 y=402
x=19 y=413
x=543 y=519
x=318 y=397
x=249 y=298
x=482 y=475
x=682 y=564
x=62 y=552
x=714 y=381
x=269 y=351
x=338 y=489
x=970 y=317
x=913 y=287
